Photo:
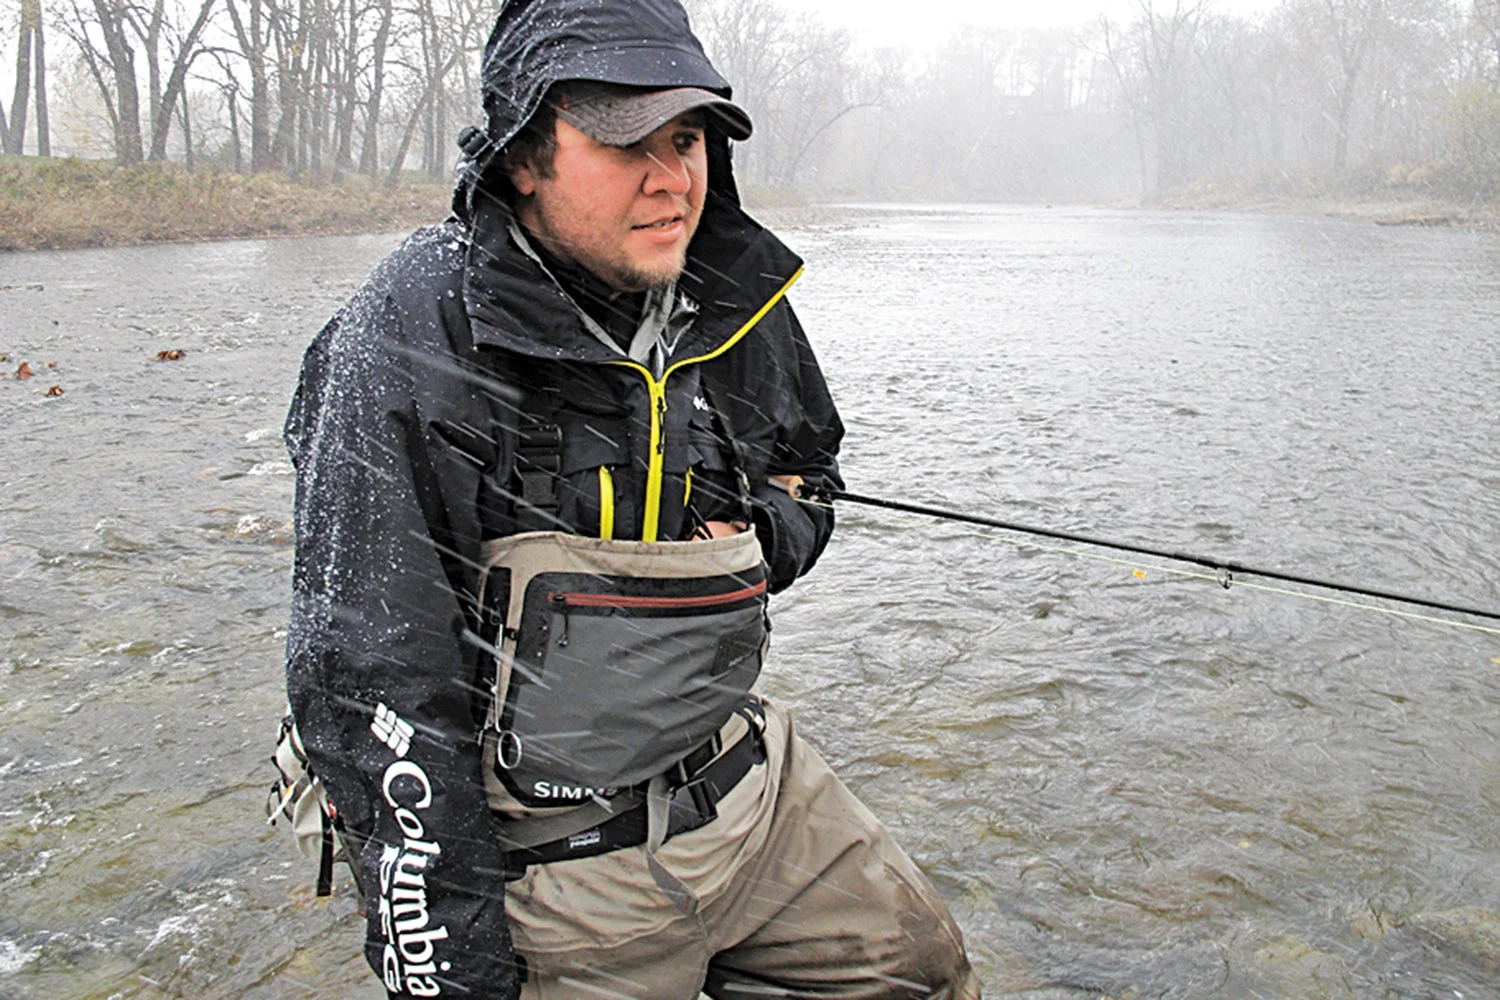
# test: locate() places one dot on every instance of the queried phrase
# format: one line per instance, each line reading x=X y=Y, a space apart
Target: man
x=551 y=457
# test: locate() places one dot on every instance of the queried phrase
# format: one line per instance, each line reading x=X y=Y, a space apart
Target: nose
x=666 y=171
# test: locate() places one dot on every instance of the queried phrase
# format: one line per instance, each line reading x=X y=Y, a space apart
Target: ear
x=523 y=179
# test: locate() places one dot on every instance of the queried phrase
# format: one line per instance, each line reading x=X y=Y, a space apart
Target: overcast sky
x=922 y=23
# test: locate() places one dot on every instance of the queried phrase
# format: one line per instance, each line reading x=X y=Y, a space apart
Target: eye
x=685 y=140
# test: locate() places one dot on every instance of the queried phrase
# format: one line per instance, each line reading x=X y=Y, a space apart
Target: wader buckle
x=696 y=773
x=687 y=775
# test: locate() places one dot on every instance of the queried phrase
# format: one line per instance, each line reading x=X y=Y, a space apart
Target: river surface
x=1124 y=781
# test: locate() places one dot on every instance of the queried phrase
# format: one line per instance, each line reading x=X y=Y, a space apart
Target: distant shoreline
x=1356 y=196
x=1423 y=213
x=71 y=204
x=67 y=204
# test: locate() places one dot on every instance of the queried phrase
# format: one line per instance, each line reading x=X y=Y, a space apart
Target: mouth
x=668 y=233
x=660 y=224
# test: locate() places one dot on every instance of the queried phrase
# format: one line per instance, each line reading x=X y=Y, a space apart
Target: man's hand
x=792 y=485
x=719 y=529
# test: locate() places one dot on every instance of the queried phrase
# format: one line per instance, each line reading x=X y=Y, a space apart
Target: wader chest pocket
x=613 y=678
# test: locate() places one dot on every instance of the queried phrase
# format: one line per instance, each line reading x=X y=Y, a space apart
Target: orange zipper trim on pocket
x=627 y=601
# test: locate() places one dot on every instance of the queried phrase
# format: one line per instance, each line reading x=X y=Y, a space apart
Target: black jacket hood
x=536 y=43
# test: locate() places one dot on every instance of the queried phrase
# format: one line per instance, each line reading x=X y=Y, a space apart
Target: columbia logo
x=392 y=730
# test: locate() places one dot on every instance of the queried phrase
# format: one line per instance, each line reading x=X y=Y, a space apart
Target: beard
x=573 y=237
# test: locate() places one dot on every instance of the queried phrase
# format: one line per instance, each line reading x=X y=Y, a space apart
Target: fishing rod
x=1224 y=568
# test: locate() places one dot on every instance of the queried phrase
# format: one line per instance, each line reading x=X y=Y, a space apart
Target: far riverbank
x=1390 y=198
x=57 y=204
x=64 y=204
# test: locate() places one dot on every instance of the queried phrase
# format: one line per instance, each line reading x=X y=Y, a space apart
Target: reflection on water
x=1123 y=784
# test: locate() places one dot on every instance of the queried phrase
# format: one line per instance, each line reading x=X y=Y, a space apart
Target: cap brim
x=619 y=116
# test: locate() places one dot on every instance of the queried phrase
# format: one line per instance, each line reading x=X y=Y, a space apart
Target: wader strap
x=533 y=831
x=692 y=805
x=658 y=803
x=325 y=861
x=538 y=466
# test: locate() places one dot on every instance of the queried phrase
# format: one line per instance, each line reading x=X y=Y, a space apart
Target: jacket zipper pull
x=661 y=423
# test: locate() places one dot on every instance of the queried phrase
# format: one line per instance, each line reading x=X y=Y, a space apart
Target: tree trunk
x=253 y=48
x=157 y=106
x=129 y=149
x=369 y=151
x=187 y=133
x=291 y=47
x=43 y=120
x=347 y=98
x=429 y=140
x=439 y=146
x=14 y=139
x=1341 y=126
x=318 y=112
x=235 y=143
x=393 y=175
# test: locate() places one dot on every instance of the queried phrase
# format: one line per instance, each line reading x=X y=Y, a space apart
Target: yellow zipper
x=606 y=503
x=651 y=517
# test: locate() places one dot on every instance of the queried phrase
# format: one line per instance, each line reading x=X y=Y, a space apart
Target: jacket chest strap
x=538 y=467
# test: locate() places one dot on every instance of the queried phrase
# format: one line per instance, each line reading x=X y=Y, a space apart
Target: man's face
x=624 y=212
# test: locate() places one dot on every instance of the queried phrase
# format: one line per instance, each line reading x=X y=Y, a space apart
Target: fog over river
x=1125 y=782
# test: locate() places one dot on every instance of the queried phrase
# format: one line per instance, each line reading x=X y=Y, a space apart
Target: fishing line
x=1225 y=571
x=1141 y=568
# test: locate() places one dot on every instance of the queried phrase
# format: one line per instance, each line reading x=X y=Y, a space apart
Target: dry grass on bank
x=1395 y=195
x=65 y=203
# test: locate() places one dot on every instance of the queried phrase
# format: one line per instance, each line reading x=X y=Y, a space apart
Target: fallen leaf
x=4 y=358
x=24 y=371
x=56 y=390
x=52 y=364
x=173 y=354
x=1140 y=574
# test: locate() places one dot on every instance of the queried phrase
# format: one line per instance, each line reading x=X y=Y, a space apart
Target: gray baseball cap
x=618 y=115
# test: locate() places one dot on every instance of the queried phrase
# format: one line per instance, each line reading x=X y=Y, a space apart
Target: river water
x=1124 y=781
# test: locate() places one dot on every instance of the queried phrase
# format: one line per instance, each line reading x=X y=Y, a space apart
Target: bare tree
x=1151 y=60
x=291 y=27
x=13 y=137
x=1487 y=19
x=794 y=75
x=1351 y=26
x=112 y=22
x=344 y=81
x=250 y=31
x=165 y=99
x=228 y=85
x=440 y=44
x=369 y=151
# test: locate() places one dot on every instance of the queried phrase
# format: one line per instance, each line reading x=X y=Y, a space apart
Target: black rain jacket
x=404 y=432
